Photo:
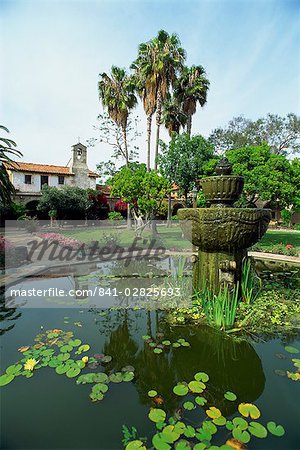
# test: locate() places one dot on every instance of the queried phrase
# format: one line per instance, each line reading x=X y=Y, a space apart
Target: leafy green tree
x=158 y=63
x=282 y=134
x=8 y=151
x=185 y=160
x=191 y=88
x=268 y=176
x=117 y=93
x=142 y=190
x=69 y=202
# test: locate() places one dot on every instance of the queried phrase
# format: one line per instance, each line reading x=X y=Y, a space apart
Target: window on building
x=44 y=180
x=27 y=179
x=61 y=179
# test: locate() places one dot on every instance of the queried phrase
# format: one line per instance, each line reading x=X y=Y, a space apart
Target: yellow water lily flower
x=85 y=359
x=30 y=363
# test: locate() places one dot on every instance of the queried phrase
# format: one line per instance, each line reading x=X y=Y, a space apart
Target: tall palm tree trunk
x=169 y=210
x=149 y=122
x=158 y=123
x=189 y=124
x=129 y=222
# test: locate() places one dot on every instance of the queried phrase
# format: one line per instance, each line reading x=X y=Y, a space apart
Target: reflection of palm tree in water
x=7 y=312
x=121 y=346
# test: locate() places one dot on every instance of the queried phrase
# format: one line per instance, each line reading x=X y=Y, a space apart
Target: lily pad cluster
x=57 y=349
x=178 y=432
x=293 y=375
x=160 y=344
x=101 y=381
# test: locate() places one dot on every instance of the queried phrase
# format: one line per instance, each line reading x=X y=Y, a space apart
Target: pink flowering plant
x=62 y=240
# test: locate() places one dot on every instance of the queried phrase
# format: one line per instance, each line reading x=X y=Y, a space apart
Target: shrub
x=111 y=239
x=115 y=215
x=174 y=217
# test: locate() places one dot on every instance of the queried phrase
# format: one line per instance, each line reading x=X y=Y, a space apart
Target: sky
x=52 y=52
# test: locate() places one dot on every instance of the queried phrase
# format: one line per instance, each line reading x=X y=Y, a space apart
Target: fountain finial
x=224 y=167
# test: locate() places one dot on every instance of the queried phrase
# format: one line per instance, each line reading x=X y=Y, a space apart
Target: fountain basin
x=224 y=229
x=223 y=190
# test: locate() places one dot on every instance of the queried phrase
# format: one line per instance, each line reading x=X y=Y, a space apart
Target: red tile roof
x=42 y=168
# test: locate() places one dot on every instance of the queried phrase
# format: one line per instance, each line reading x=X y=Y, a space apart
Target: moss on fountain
x=221 y=232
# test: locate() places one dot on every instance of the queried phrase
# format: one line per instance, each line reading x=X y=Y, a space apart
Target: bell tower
x=79 y=166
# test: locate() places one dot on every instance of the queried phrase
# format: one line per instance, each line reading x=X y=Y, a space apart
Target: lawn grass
x=172 y=237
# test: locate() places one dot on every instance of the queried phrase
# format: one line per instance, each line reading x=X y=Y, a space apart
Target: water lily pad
x=257 y=429
x=200 y=446
x=180 y=389
x=201 y=376
x=196 y=386
x=128 y=376
x=63 y=356
x=229 y=425
x=47 y=352
x=74 y=342
x=230 y=396
x=189 y=406
x=189 y=431
x=239 y=422
x=80 y=364
x=87 y=378
x=14 y=369
x=185 y=344
x=241 y=435
x=175 y=344
x=99 y=387
x=146 y=337
x=116 y=377
x=200 y=400
x=6 y=378
x=61 y=369
x=179 y=427
x=248 y=409
x=135 y=445
x=291 y=349
x=99 y=355
x=83 y=348
x=100 y=377
x=169 y=434
x=54 y=362
x=152 y=344
x=66 y=348
x=220 y=421
x=159 y=443
x=157 y=415
x=73 y=372
x=276 y=430
x=213 y=412
x=166 y=342
x=152 y=393
x=106 y=359
x=157 y=350
x=209 y=427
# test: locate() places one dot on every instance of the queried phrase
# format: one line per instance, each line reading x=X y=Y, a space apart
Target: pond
x=52 y=411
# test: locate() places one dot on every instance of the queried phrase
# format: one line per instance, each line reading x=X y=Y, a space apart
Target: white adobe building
x=29 y=178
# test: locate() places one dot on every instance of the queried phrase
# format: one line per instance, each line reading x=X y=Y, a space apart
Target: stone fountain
x=221 y=232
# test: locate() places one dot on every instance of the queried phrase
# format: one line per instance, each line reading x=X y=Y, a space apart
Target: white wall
x=18 y=180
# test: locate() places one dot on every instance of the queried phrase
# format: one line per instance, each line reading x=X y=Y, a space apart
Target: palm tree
x=192 y=87
x=117 y=93
x=7 y=150
x=158 y=63
x=146 y=92
x=173 y=117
